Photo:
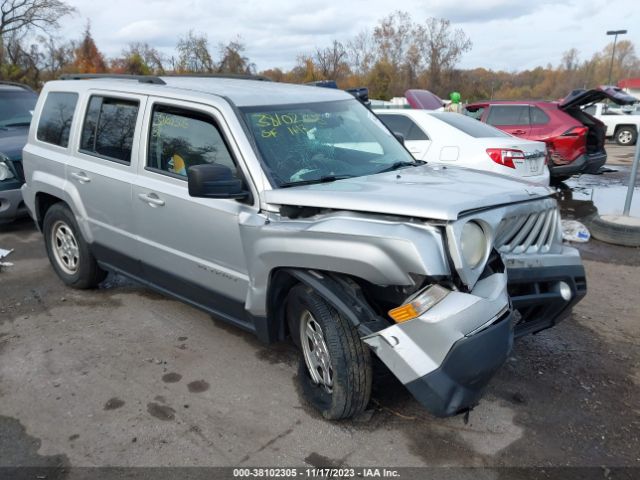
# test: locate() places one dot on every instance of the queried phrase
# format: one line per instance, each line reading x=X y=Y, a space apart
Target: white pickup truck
x=622 y=127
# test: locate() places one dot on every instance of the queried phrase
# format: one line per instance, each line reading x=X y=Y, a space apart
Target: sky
x=507 y=35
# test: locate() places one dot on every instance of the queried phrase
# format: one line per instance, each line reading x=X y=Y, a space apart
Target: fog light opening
x=565 y=291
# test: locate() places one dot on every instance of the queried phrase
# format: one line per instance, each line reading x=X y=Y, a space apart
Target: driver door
x=190 y=247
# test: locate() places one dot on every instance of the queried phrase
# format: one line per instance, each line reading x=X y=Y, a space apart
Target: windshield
x=314 y=142
x=16 y=108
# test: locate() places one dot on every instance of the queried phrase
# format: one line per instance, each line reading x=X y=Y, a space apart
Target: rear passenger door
x=415 y=139
x=539 y=124
x=513 y=119
x=189 y=246
x=102 y=170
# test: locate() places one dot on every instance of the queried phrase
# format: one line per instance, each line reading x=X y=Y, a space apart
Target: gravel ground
x=121 y=376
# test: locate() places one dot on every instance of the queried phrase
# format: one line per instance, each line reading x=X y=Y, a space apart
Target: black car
x=17 y=102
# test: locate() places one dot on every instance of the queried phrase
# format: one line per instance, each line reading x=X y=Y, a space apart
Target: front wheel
x=335 y=368
x=67 y=250
x=626 y=136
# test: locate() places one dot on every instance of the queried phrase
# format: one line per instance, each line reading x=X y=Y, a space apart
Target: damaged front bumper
x=447 y=356
x=544 y=288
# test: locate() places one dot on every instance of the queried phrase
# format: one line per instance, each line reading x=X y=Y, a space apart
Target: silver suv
x=292 y=211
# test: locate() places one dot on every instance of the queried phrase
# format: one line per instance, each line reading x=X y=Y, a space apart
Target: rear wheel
x=67 y=250
x=626 y=136
x=335 y=366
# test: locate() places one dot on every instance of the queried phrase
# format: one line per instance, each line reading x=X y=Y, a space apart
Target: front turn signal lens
x=419 y=303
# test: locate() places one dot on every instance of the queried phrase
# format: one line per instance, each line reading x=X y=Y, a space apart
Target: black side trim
x=344 y=296
x=457 y=385
x=225 y=308
x=533 y=293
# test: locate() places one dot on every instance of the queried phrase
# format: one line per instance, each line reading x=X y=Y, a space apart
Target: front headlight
x=473 y=243
x=5 y=171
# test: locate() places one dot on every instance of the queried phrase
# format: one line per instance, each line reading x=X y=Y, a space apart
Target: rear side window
x=468 y=125
x=508 y=115
x=182 y=138
x=56 y=117
x=108 y=128
x=538 y=117
x=405 y=126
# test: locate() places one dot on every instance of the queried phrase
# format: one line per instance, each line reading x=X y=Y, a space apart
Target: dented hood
x=431 y=192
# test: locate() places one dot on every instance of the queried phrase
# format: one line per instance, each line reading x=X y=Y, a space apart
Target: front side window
x=304 y=143
x=181 y=138
x=16 y=108
x=508 y=115
x=54 y=125
x=108 y=129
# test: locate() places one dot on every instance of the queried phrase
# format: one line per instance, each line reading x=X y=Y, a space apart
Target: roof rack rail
x=237 y=76
x=16 y=84
x=87 y=76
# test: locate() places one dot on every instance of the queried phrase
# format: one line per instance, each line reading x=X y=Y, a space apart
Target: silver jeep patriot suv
x=292 y=211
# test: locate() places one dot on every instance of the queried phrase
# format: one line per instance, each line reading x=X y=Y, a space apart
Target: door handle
x=518 y=132
x=81 y=177
x=152 y=199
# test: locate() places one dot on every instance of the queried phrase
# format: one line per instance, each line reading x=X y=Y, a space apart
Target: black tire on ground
x=350 y=357
x=615 y=233
x=87 y=274
x=626 y=136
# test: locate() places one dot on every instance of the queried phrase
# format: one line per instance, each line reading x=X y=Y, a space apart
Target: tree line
x=396 y=54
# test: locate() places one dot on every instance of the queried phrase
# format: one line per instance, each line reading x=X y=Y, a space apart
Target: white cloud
x=506 y=34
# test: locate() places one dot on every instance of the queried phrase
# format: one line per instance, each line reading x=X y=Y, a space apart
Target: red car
x=575 y=139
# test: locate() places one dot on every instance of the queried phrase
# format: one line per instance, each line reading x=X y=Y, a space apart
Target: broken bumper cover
x=544 y=288
x=447 y=356
x=11 y=205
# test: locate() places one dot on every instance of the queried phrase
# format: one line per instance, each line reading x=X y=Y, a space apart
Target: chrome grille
x=532 y=232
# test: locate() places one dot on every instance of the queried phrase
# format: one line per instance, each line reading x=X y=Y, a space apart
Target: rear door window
x=108 y=129
x=405 y=126
x=508 y=115
x=538 y=117
x=55 y=120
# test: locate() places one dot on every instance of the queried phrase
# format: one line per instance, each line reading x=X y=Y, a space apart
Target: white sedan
x=455 y=139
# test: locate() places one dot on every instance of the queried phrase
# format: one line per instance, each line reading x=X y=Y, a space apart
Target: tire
x=348 y=390
x=615 y=233
x=626 y=136
x=68 y=251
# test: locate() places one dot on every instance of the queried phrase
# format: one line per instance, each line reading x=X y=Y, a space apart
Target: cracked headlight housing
x=5 y=171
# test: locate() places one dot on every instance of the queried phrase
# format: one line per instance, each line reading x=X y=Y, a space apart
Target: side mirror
x=210 y=180
x=399 y=137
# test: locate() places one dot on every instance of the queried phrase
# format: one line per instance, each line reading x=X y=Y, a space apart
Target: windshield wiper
x=325 y=179
x=397 y=165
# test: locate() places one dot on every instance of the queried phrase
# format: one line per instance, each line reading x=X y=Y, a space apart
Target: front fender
x=383 y=251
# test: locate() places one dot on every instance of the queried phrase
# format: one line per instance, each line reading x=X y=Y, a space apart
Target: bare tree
x=25 y=15
x=441 y=48
x=193 y=54
x=331 y=62
x=361 y=52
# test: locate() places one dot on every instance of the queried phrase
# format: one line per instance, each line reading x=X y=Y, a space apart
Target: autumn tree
x=88 y=58
x=139 y=59
x=232 y=59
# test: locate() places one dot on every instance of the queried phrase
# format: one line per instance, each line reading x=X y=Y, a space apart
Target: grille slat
x=528 y=233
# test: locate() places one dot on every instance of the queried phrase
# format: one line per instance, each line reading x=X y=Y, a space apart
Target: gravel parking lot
x=122 y=376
